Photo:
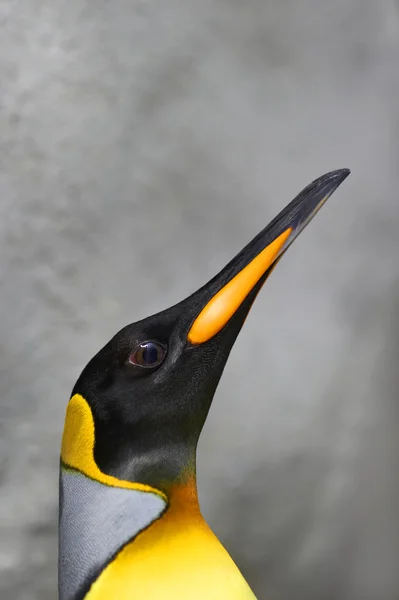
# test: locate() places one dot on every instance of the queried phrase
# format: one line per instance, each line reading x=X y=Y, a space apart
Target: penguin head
x=150 y=388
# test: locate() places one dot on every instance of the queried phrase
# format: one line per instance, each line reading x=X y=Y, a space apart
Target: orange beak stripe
x=219 y=310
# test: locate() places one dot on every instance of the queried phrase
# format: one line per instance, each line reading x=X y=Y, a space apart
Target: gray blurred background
x=143 y=143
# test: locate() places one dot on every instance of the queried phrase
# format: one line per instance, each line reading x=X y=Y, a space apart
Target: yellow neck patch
x=77 y=450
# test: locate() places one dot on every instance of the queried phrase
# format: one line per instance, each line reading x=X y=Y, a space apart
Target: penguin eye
x=148 y=354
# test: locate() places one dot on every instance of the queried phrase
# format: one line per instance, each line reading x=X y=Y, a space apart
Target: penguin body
x=130 y=523
x=135 y=530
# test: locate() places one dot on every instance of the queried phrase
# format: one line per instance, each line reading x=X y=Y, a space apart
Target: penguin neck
x=183 y=499
x=181 y=494
x=179 y=481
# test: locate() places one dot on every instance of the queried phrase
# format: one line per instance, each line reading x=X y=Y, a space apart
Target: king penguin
x=130 y=525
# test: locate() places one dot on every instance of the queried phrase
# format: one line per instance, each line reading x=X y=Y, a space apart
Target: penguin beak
x=225 y=293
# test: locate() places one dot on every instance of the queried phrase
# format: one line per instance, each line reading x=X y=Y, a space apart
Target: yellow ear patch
x=219 y=310
x=77 y=450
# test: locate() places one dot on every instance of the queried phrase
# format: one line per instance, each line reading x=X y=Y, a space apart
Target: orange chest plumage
x=177 y=557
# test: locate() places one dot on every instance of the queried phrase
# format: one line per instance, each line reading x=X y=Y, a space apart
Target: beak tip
x=326 y=184
x=339 y=175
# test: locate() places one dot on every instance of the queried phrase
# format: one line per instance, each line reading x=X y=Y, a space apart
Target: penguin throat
x=183 y=497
